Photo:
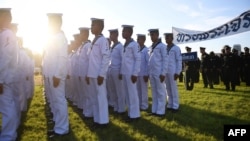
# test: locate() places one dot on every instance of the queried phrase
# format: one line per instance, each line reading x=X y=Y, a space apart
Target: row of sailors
x=99 y=75
x=16 y=77
x=78 y=66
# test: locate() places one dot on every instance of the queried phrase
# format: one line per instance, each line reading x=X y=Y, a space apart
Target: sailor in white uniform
x=143 y=76
x=57 y=48
x=87 y=98
x=8 y=64
x=157 y=73
x=115 y=84
x=76 y=77
x=174 y=68
x=130 y=68
x=99 y=57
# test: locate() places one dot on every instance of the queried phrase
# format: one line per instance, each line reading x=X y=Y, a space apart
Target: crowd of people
x=229 y=67
x=104 y=74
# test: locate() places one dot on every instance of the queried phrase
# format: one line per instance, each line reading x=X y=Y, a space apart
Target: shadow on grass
x=20 y=129
x=128 y=130
x=241 y=93
x=69 y=137
x=103 y=132
x=153 y=131
x=204 y=121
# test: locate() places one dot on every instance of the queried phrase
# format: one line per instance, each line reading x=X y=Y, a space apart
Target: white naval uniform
x=8 y=64
x=68 y=86
x=87 y=98
x=57 y=55
x=79 y=95
x=22 y=74
x=45 y=69
x=99 y=57
x=30 y=81
x=174 y=67
x=157 y=67
x=114 y=84
x=142 y=86
x=74 y=62
x=131 y=61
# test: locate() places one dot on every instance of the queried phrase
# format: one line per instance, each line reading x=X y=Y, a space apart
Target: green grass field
x=203 y=112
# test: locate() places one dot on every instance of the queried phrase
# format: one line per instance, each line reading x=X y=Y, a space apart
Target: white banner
x=237 y=25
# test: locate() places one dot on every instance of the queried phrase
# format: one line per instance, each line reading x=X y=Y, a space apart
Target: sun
x=33 y=38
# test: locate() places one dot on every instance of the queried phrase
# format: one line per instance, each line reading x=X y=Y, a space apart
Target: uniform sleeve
x=104 y=45
x=61 y=70
x=137 y=57
x=178 y=61
x=164 y=60
x=8 y=52
x=120 y=55
x=146 y=57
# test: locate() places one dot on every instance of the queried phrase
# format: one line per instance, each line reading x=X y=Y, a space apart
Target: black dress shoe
x=169 y=109
x=52 y=133
x=143 y=109
x=87 y=118
x=175 y=110
x=160 y=115
x=132 y=119
x=151 y=114
x=121 y=113
x=98 y=126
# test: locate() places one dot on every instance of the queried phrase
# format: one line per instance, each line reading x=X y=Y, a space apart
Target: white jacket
x=99 y=57
x=144 y=62
x=116 y=57
x=158 y=60
x=174 y=60
x=8 y=56
x=83 y=59
x=56 y=56
x=131 y=59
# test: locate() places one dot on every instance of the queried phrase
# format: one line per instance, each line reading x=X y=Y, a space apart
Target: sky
x=200 y=15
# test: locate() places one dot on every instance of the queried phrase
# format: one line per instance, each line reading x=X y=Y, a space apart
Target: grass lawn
x=203 y=112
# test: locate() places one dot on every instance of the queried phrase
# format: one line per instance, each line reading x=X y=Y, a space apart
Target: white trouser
x=87 y=99
x=29 y=86
x=172 y=91
x=60 y=107
x=17 y=99
x=142 y=88
x=68 y=88
x=49 y=96
x=79 y=100
x=100 y=105
x=72 y=94
x=23 y=96
x=132 y=99
x=158 y=95
x=9 y=114
x=110 y=91
x=75 y=90
x=119 y=94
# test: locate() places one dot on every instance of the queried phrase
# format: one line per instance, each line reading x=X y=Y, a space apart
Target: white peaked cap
x=127 y=26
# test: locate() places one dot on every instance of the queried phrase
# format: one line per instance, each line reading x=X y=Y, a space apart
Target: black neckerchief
x=88 y=41
x=169 y=48
x=95 y=39
x=126 y=44
x=155 y=44
x=142 y=48
x=114 y=45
